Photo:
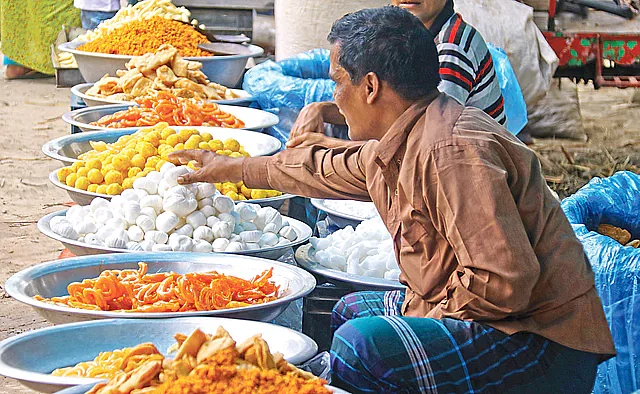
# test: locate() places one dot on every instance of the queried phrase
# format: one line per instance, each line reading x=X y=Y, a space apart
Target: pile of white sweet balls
x=366 y=251
x=158 y=214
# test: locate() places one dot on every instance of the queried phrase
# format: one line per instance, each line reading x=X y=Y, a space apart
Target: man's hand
x=213 y=167
x=308 y=139
x=310 y=120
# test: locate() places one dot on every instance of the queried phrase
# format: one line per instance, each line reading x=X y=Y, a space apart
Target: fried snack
x=66 y=60
x=139 y=37
x=617 y=233
x=112 y=364
x=141 y=11
x=137 y=291
x=175 y=111
x=163 y=70
x=215 y=364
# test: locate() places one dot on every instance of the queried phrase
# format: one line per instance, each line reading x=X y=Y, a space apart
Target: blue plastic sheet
x=291 y=83
x=514 y=104
x=615 y=201
x=303 y=79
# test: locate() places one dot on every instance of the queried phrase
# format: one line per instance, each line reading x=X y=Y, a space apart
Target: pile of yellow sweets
x=111 y=168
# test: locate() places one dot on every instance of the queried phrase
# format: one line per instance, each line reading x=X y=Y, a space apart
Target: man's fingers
x=185 y=156
x=192 y=177
x=295 y=141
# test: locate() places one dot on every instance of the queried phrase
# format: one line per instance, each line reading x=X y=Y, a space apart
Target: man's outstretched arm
x=311 y=172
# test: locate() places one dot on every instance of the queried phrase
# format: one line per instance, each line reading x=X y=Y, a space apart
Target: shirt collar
x=442 y=18
x=397 y=133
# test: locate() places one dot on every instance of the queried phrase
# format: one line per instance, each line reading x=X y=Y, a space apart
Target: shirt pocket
x=412 y=233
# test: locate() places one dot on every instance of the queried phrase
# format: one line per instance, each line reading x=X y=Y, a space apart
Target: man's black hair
x=393 y=44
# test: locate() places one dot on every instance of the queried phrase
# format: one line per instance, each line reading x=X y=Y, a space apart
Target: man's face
x=350 y=99
x=425 y=10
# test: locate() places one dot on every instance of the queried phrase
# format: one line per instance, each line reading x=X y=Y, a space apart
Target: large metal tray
x=244 y=98
x=341 y=219
x=51 y=279
x=66 y=149
x=83 y=197
x=305 y=258
x=254 y=119
x=225 y=70
x=32 y=356
x=83 y=249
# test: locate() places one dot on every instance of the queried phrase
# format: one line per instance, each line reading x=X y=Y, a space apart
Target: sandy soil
x=30 y=115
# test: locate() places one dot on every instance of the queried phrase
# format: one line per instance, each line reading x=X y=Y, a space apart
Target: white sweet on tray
x=182 y=218
x=367 y=250
x=359 y=209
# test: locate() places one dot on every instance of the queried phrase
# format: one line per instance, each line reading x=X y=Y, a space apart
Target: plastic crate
x=76 y=102
x=224 y=21
x=65 y=77
x=316 y=313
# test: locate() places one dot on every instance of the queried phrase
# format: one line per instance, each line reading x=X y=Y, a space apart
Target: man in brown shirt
x=500 y=296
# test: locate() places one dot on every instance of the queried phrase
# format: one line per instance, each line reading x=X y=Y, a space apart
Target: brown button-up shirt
x=477 y=234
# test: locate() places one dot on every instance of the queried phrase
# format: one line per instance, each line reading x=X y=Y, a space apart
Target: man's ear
x=372 y=87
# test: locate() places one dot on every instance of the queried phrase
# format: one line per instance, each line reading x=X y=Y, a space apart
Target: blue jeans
x=91 y=19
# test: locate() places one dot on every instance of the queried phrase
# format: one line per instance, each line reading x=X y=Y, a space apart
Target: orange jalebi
x=177 y=111
x=137 y=291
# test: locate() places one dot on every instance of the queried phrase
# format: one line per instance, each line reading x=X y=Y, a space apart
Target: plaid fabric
x=376 y=353
x=366 y=304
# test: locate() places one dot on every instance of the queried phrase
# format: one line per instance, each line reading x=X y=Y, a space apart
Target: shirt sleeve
x=315 y=171
x=472 y=206
x=457 y=71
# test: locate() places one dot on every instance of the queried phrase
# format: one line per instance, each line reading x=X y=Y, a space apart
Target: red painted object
x=65 y=254
x=607 y=59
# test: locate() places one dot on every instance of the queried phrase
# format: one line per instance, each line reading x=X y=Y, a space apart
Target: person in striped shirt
x=466 y=66
x=466 y=71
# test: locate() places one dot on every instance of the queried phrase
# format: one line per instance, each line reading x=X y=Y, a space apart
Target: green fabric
x=29 y=27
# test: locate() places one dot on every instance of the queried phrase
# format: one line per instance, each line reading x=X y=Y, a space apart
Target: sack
x=557 y=115
x=509 y=25
x=615 y=201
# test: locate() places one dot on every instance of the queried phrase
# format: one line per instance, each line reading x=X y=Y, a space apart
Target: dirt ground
x=30 y=115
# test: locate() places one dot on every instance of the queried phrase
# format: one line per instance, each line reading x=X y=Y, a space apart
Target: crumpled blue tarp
x=304 y=79
x=291 y=83
x=514 y=105
x=616 y=201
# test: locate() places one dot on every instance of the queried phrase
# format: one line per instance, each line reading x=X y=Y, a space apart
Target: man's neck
x=435 y=24
x=392 y=111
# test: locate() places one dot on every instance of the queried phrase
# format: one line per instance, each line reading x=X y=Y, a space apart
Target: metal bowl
x=305 y=258
x=51 y=279
x=83 y=197
x=66 y=149
x=83 y=249
x=338 y=218
x=86 y=387
x=254 y=119
x=32 y=356
x=225 y=70
x=244 y=98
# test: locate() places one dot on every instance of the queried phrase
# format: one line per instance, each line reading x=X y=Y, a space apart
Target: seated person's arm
x=310 y=172
x=471 y=205
x=311 y=121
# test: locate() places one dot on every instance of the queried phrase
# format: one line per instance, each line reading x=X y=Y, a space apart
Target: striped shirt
x=466 y=66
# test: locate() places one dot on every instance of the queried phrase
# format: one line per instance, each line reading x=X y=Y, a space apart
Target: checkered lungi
x=375 y=350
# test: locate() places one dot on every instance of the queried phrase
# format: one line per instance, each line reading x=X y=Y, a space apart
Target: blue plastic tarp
x=616 y=201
